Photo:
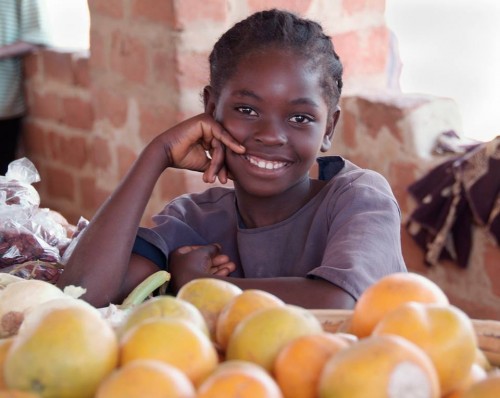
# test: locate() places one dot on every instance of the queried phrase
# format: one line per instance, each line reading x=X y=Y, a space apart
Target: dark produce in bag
x=32 y=239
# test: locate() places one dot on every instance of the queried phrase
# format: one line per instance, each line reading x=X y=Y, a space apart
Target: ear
x=209 y=100
x=330 y=129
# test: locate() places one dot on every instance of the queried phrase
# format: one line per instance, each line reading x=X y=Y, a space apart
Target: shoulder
x=208 y=200
x=348 y=175
x=360 y=189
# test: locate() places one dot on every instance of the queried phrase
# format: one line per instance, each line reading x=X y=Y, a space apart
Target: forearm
x=100 y=260
x=305 y=292
x=17 y=49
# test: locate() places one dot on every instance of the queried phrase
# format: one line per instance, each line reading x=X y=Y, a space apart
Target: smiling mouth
x=265 y=164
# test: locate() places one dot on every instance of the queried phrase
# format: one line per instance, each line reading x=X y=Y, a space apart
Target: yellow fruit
x=175 y=341
x=146 y=378
x=386 y=366
x=476 y=373
x=4 y=348
x=209 y=295
x=486 y=388
x=444 y=332
x=164 y=307
x=242 y=305
x=17 y=394
x=387 y=294
x=299 y=364
x=239 y=379
x=260 y=336
x=61 y=353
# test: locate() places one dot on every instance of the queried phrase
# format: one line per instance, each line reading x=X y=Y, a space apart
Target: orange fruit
x=486 y=388
x=299 y=364
x=17 y=394
x=146 y=378
x=239 y=379
x=209 y=295
x=385 y=366
x=175 y=341
x=164 y=307
x=4 y=348
x=444 y=332
x=240 y=306
x=476 y=373
x=61 y=352
x=387 y=294
x=260 y=336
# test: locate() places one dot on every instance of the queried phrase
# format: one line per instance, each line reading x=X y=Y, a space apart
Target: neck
x=257 y=211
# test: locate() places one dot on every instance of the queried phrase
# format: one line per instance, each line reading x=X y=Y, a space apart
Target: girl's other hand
x=198 y=144
x=189 y=262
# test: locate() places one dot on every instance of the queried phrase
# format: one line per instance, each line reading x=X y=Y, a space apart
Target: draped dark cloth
x=452 y=198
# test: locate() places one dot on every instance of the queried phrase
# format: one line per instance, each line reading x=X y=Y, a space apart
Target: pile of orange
x=403 y=339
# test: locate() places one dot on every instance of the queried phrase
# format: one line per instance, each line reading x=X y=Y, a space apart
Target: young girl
x=271 y=106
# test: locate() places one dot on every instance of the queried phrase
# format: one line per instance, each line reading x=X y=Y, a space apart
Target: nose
x=271 y=133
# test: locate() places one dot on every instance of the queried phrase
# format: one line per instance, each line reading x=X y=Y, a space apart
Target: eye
x=301 y=119
x=246 y=110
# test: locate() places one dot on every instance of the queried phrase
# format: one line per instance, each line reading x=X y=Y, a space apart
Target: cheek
x=239 y=131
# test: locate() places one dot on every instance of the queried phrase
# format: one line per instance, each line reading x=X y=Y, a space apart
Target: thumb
x=210 y=249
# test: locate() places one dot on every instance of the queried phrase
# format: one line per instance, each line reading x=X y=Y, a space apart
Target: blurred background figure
x=22 y=30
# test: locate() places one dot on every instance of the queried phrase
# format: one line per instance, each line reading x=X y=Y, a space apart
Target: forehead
x=276 y=72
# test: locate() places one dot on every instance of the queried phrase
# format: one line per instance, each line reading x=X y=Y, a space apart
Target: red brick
x=101 y=153
x=154 y=120
x=162 y=69
x=112 y=106
x=193 y=70
x=34 y=139
x=401 y=175
x=46 y=106
x=71 y=151
x=363 y=52
x=108 y=8
x=349 y=124
x=188 y=12
x=492 y=266
x=92 y=197
x=413 y=254
x=81 y=71
x=60 y=183
x=351 y=7
x=78 y=113
x=30 y=64
x=154 y=11
x=298 y=6
x=98 y=50
x=58 y=66
x=129 y=57
x=376 y=115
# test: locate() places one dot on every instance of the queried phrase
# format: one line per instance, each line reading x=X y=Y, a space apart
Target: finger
x=211 y=249
x=224 y=271
x=220 y=259
x=212 y=130
x=216 y=161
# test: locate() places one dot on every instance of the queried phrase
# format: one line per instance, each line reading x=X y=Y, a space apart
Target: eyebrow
x=297 y=101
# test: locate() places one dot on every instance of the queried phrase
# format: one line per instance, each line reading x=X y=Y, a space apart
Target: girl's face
x=273 y=105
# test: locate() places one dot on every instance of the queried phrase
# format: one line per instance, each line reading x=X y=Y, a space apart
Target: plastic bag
x=28 y=233
x=18 y=198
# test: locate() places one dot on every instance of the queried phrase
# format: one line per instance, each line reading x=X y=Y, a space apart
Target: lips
x=264 y=163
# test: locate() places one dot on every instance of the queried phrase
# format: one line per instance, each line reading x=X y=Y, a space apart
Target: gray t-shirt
x=348 y=234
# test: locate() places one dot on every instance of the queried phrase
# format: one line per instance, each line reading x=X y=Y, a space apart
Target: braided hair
x=277 y=29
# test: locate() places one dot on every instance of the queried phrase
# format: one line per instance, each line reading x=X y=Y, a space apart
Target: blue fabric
x=150 y=251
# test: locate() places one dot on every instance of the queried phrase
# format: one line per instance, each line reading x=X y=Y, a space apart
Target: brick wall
x=91 y=114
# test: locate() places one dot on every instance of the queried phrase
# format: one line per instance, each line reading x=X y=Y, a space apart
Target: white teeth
x=264 y=164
